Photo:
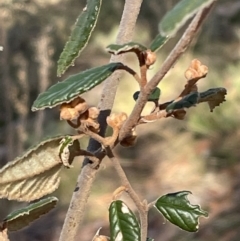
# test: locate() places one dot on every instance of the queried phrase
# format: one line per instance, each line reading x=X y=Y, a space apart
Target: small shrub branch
x=178 y=50
x=141 y=206
x=87 y=176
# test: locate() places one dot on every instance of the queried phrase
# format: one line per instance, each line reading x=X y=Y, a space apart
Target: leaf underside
x=80 y=35
x=176 y=208
x=178 y=16
x=35 y=174
x=23 y=217
x=124 y=48
x=123 y=223
x=73 y=86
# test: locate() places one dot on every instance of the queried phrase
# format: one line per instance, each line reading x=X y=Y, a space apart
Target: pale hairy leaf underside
x=36 y=173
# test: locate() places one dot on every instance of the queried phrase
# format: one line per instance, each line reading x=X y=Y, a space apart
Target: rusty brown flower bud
x=150 y=57
x=116 y=120
x=93 y=112
x=67 y=112
x=72 y=110
x=196 y=70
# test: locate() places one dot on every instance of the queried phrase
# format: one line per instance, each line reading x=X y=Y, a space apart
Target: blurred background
x=200 y=154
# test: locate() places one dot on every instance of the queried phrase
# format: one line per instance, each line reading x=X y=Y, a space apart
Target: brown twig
x=95 y=160
x=74 y=125
x=178 y=50
x=92 y=135
x=151 y=204
x=132 y=72
x=87 y=176
x=141 y=206
x=143 y=71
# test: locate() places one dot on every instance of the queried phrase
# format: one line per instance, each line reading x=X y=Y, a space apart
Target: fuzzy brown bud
x=101 y=238
x=196 y=70
x=150 y=57
x=93 y=112
x=116 y=120
x=89 y=119
x=72 y=110
x=98 y=237
x=67 y=112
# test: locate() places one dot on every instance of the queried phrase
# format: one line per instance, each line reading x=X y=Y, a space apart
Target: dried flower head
x=116 y=120
x=196 y=70
x=101 y=238
x=93 y=113
x=72 y=110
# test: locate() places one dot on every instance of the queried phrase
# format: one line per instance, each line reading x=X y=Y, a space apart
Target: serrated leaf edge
x=183 y=194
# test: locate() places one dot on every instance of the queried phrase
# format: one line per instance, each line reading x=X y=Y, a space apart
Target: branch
x=87 y=176
x=178 y=50
x=141 y=206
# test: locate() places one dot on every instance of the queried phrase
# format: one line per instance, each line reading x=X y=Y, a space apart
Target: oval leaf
x=23 y=217
x=124 y=48
x=73 y=86
x=158 y=42
x=79 y=36
x=155 y=95
x=178 y=16
x=123 y=223
x=185 y=102
x=176 y=208
x=36 y=173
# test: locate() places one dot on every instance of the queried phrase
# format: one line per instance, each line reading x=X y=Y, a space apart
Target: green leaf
x=155 y=95
x=36 y=173
x=158 y=42
x=186 y=102
x=124 y=48
x=176 y=208
x=73 y=86
x=179 y=15
x=80 y=35
x=123 y=223
x=23 y=217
